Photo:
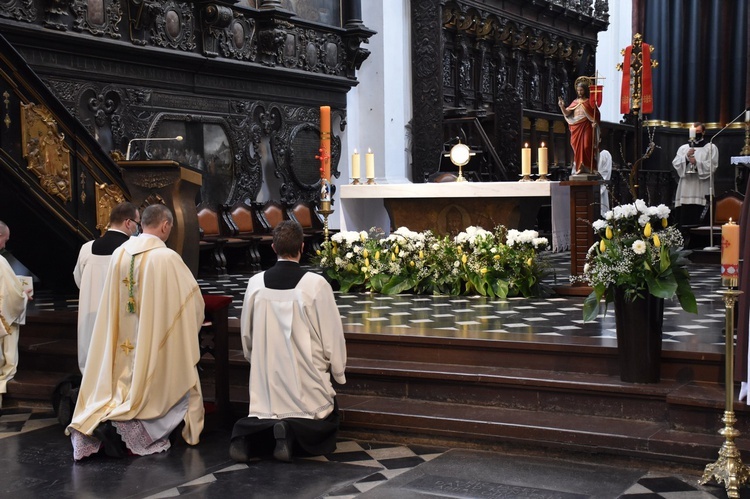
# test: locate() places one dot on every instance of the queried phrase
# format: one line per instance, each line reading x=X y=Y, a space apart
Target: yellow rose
x=602 y=246
x=361 y=237
x=377 y=255
x=496 y=257
x=393 y=257
x=365 y=253
x=664 y=222
x=317 y=252
x=459 y=250
x=657 y=243
x=395 y=249
x=647 y=230
x=608 y=233
x=484 y=271
x=421 y=254
x=411 y=263
x=367 y=262
x=529 y=262
x=464 y=259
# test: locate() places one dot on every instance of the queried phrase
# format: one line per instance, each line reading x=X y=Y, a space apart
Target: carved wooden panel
x=45 y=151
x=98 y=17
x=107 y=197
x=20 y=10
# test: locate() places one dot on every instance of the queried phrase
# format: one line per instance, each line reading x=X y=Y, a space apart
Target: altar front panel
x=446 y=208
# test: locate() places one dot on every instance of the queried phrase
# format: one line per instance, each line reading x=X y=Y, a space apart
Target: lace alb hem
x=83 y=445
x=137 y=439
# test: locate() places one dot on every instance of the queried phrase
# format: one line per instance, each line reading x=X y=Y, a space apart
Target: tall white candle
x=526 y=160
x=369 y=164
x=356 y=173
x=692 y=132
x=542 y=160
x=747 y=115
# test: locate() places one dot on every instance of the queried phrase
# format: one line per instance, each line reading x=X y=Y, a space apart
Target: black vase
x=639 y=325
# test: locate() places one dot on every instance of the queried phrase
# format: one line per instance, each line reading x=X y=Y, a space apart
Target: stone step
x=446 y=424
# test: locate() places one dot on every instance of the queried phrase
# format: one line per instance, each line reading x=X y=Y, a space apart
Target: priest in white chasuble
x=141 y=378
x=91 y=270
x=294 y=340
x=13 y=301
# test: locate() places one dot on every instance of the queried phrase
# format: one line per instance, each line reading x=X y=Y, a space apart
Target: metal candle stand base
x=728 y=469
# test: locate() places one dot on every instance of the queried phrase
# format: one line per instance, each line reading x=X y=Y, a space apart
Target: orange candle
x=526 y=160
x=730 y=251
x=325 y=142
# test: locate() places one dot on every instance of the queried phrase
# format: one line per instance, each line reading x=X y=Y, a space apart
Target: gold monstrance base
x=728 y=469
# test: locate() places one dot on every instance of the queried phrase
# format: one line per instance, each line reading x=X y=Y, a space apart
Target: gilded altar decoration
x=107 y=197
x=6 y=100
x=45 y=150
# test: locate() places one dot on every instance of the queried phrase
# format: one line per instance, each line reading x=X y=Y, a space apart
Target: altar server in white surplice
x=141 y=377
x=293 y=338
x=13 y=301
x=695 y=164
x=91 y=270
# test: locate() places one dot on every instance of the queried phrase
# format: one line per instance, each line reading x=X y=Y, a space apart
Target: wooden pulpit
x=176 y=186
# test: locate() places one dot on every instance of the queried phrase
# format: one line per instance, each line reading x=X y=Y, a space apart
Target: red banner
x=595 y=95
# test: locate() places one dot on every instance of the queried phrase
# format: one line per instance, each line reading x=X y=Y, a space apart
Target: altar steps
x=461 y=392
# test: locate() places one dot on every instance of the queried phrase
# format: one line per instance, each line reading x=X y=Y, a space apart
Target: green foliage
x=497 y=264
x=638 y=253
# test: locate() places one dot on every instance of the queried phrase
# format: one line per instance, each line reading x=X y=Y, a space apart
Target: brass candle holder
x=355 y=181
x=526 y=178
x=542 y=178
x=325 y=210
x=728 y=469
x=370 y=181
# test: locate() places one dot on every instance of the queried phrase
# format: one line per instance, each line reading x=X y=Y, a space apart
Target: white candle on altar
x=369 y=164
x=747 y=115
x=542 y=160
x=356 y=173
x=526 y=160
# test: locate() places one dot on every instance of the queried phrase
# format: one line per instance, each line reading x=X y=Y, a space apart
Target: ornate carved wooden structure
x=501 y=63
x=240 y=80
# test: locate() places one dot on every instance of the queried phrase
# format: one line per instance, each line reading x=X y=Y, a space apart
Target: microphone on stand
x=147 y=139
x=711 y=246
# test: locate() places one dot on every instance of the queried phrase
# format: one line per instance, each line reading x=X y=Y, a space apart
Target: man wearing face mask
x=91 y=270
x=695 y=163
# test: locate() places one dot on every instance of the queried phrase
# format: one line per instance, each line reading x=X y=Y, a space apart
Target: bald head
x=4 y=234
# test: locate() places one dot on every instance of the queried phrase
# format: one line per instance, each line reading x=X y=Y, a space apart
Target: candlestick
x=526 y=163
x=692 y=132
x=747 y=115
x=356 y=173
x=543 y=164
x=325 y=142
x=370 y=166
x=730 y=253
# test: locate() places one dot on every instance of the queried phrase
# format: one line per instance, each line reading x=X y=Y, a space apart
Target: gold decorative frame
x=107 y=197
x=45 y=150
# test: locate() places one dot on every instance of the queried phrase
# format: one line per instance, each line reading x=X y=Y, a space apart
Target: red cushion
x=216 y=302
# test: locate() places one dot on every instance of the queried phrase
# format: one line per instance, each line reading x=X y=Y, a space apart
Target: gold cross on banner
x=127 y=347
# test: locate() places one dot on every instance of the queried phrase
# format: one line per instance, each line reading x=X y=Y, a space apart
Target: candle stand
x=325 y=210
x=542 y=178
x=729 y=468
x=355 y=181
x=526 y=178
x=370 y=181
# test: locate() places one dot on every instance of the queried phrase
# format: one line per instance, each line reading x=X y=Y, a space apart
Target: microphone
x=711 y=246
x=146 y=139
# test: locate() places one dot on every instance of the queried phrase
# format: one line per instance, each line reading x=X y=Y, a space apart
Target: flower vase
x=639 y=327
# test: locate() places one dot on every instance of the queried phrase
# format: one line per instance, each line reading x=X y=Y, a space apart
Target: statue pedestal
x=584 y=211
x=175 y=186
